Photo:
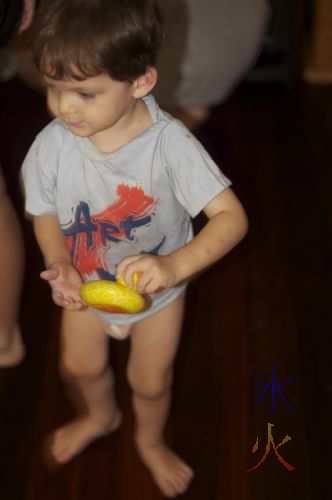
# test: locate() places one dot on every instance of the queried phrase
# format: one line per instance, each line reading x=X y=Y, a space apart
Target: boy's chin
x=78 y=130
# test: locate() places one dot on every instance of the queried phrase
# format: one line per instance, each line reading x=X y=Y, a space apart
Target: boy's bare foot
x=70 y=440
x=12 y=350
x=171 y=474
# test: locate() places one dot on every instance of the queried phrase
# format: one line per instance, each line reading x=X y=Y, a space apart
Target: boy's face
x=91 y=107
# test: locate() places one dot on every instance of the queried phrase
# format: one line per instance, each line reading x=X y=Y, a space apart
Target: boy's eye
x=86 y=95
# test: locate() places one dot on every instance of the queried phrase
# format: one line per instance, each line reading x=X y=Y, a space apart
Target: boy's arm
x=63 y=278
x=226 y=226
x=50 y=239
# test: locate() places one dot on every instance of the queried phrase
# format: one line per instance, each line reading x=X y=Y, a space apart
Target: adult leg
x=11 y=274
x=90 y=384
x=224 y=39
x=154 y=343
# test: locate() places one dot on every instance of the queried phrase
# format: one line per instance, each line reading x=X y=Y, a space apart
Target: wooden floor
x=262 y=315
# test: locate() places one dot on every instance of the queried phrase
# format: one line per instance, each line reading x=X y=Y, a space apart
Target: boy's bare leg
x=11 y=274
x=154 y=343
x=90 y=384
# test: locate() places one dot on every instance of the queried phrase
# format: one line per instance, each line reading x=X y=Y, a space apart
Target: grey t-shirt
x=138 y=199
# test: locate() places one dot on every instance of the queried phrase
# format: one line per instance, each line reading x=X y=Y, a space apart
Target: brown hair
x=83 y=38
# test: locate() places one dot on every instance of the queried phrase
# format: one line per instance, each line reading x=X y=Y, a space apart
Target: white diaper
x=119 y=332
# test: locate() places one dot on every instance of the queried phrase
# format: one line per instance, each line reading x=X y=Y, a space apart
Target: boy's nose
x=65 y=104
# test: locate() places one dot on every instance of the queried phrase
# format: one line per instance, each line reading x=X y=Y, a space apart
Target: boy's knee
x=150 y=387
x=73 y=367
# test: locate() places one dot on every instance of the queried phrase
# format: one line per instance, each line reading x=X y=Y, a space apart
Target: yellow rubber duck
x=114 y=296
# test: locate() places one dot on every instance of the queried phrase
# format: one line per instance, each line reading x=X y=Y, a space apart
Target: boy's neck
x=133 y=124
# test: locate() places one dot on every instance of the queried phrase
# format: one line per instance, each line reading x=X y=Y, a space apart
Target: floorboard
x=265 y=307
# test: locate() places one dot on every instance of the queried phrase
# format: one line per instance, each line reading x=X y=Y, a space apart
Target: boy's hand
x=155 y=272
x=65 y=282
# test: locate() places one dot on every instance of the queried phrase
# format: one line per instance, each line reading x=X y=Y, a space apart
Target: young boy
x=112 y=183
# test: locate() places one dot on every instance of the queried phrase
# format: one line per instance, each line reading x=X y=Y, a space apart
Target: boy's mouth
x=74 y=124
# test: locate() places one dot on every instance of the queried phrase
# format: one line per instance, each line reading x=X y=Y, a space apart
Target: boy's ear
x=145 y=83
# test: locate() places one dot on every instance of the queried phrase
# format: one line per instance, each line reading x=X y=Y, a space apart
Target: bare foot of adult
x=169 y=471
x=12 y=350
x=69 y=440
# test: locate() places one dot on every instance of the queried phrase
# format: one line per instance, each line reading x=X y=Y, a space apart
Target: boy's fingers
x=49 y=274
x=123 y=265
x=59 y=301
x=74 y=306
x=130 y=271
x=143 y=282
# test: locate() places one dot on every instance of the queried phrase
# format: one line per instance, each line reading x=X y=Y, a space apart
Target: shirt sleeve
x=38 y=180
x=195 y=178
